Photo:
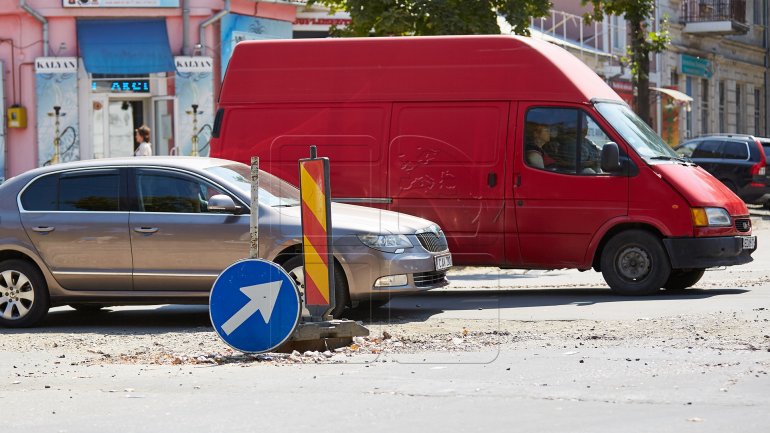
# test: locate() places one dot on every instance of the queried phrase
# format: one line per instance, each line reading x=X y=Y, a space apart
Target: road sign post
x=316 y=235
x=255 y=306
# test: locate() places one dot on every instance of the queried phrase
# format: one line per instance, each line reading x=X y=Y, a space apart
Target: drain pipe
x=185 y=27
x=35 y=14
x=209 y=21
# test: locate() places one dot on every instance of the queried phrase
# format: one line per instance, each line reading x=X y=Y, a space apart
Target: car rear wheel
x=634 y=263
x=295 y=268
x=681 y=279
x=23 y=294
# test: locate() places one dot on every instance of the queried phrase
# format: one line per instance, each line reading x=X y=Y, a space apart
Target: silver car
x=160 y=230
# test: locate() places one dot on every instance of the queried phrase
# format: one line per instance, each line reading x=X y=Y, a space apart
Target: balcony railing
x=714 y=16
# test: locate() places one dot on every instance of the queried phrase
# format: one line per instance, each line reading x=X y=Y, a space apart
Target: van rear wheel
x=681 y=279
x=634 y=262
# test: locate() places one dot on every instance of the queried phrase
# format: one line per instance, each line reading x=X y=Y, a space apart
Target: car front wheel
x=23 y=294
x=634 y=263
x=295 y=268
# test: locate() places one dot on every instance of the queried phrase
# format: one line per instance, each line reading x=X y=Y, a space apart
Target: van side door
x=446 y=162
x=561 y=195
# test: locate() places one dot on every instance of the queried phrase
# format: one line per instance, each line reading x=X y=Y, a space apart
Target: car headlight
x=710 y=217
x=385 y=242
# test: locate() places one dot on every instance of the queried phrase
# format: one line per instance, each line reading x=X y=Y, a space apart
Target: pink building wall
x=21 y=43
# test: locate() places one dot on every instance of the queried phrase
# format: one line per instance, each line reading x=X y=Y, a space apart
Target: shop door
x=120 y=129
x=165 y=126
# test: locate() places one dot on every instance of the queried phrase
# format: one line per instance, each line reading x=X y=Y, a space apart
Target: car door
x=78 y=222
x=177 y=243
x=561 y=195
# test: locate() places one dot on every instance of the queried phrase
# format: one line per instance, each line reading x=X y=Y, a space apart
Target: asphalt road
x=495 y=351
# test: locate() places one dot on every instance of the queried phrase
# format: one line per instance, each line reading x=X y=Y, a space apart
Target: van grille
x=432 y=242
x=424 y=279
x=743 y=225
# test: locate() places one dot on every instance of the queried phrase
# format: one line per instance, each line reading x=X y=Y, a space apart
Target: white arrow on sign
x=262 y=297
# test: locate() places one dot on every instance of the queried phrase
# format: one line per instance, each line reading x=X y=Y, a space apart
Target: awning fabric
x=131 y=46
x=677 y=95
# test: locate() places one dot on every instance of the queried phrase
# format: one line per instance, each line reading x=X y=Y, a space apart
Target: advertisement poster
x=195 y=93
x=56 y=89
x=237 y=28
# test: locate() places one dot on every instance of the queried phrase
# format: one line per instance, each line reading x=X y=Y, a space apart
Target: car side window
x=170 y=192
x=87 y=190
x=42 y=194
x=563 y=140
x=707 y=149
x=735 y=150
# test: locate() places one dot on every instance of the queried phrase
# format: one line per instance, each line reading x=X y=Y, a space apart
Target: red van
x=522 y=154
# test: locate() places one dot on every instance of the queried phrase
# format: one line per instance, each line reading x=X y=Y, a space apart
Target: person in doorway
x=143 y=138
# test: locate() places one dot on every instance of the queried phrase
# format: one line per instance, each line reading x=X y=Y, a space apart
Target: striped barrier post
x=316 y=235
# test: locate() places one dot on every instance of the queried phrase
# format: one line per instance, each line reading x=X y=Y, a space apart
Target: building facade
x=79 y=76
x=719 y=56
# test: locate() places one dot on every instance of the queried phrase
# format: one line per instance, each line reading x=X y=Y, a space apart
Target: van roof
x=408 y=69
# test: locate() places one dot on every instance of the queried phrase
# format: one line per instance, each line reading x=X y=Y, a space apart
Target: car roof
x=188 y=162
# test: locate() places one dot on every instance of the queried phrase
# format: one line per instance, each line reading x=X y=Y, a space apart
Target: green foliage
x=643 y=41
x=434 y=17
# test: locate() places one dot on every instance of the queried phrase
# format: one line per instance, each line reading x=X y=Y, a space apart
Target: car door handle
x=145 y=229
x=43 y=229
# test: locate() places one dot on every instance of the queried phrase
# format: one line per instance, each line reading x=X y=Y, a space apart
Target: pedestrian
x=142 y=137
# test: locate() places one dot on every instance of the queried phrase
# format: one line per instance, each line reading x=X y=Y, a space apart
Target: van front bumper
x=689 y=253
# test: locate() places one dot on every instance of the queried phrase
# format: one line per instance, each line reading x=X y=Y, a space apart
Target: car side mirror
x=222 y=203
x=611 y=158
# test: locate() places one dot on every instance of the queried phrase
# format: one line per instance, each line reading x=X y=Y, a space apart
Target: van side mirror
x=611 y=158
x=222 y=203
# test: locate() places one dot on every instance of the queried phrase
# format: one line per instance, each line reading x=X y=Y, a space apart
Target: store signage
x=193 y=64
x=56 y=65
x=120 y=3
x=135 y=86
x=696 y=66
x=320 y=20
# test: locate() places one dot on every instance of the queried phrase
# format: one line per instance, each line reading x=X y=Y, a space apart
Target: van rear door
x=561 y=195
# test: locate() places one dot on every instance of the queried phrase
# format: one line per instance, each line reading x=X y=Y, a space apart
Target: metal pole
x=254 y=221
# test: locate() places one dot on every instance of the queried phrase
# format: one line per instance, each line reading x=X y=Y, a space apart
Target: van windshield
x=636 y=132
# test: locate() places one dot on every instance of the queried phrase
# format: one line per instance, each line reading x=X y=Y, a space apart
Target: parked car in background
x=161 y=229
x=739 y=161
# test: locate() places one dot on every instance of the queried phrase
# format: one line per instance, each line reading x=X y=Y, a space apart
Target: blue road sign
x=254 y=306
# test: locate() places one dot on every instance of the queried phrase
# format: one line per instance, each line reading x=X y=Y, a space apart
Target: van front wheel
x=635 y=263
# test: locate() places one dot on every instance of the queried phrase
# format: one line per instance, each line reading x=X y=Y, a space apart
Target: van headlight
x=710 y=217
x=385 y=242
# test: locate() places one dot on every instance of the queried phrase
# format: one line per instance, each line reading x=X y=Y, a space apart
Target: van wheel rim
x=16 y=295
x=633 y=264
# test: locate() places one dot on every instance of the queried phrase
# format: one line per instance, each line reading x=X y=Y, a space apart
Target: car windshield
x=273 y=191
x=636 y=132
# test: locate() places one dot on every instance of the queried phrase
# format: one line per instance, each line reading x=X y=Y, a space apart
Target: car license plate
x=749 y=242
x=443 y=262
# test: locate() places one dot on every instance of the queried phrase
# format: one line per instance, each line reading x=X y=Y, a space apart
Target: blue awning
x=132 y=46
